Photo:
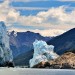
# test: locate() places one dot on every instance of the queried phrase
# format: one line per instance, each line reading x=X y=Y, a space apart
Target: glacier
x=5 y=51
x=42 y=52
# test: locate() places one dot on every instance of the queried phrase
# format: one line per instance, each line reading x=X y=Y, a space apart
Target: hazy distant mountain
x=21 y=42
x=62 y=43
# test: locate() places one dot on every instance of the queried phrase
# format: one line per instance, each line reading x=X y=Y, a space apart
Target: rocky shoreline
x=65 y=61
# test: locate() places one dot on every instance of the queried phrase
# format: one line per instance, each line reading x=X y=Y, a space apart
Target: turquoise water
x=29 y=71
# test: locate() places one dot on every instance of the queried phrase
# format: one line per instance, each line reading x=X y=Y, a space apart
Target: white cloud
x=54 y=18
x=48 y=32
x=28 y=0
x=30 y=8
x=7 y=14
x=42 y=0
x=66 y=0
x=58 y=16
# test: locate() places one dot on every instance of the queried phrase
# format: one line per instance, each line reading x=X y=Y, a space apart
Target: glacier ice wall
x=5 y=52
x=42 y=52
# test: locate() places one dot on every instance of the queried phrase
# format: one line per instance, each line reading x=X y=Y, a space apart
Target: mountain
x=64 y=42
x=23 y=59
x=21 y=42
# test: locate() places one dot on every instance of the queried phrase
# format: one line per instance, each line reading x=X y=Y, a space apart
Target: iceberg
x=5 y=52
x=42 y=52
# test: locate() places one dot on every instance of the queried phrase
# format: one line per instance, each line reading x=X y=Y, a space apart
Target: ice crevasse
x=42 y=52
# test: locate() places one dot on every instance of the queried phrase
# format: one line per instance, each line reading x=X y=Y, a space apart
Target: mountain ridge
x=21 y=42
x=66 y=40
x=62 y=43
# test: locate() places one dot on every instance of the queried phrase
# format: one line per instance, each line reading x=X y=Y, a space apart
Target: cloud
x=44 y=22
x=67 y=0
x=46 y=33
x=30 y=8
x=58 y=16
x=42 y=0
x=54 y=16
x=28 y=0
x=7 y=14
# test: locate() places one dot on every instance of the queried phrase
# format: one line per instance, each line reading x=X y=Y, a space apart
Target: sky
x=47 y=17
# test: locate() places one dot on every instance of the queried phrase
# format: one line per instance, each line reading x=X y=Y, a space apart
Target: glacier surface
x=5 y=52
x=42 y=52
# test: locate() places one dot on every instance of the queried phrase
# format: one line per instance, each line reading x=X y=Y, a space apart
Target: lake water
x=30 y=71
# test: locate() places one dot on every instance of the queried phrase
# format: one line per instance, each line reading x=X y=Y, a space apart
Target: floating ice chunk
x=42 y=52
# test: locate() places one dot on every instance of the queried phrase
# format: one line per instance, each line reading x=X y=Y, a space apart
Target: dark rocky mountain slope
x=64 y=42
x=21 y=42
